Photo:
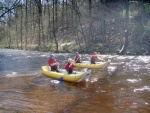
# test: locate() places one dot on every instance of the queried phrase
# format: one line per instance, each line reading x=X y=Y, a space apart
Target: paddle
x=61 y=78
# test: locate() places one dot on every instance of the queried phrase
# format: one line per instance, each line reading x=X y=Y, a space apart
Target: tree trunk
x=55 y=23
x=39 y=4
x=125 y=46
x=62 y=22
x=21 y=26
x=75 y=7
x=26 y=34
x=63 y=9
x=82 y=31
x=42 y=29
x=72 y=16
x=16 y=30
x=39 y=31
x=67 y=13
x=141 y=28
x=9 y=42
x=32 y=24
x=102 y=21
x=49 y=24
x=90 y=23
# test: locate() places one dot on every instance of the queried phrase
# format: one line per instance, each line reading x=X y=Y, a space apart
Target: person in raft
x=77 y=58
x=69 y=66
x=53 y=63
x=95 y=57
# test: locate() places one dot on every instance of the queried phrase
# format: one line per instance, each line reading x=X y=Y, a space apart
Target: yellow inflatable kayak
x=75 y=77
x=87 y=64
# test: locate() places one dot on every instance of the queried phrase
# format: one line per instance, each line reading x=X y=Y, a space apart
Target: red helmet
x=95 y=53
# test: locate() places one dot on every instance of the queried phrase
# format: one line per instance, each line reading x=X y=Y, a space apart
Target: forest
x=106 y=26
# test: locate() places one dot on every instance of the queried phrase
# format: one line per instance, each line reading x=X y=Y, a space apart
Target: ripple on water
x=55 y=81
x=20 y=92
x=12 y=74
x=134 y=80
x=144 y=88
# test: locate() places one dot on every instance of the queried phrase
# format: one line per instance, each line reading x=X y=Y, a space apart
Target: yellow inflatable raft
x=87 y=64
x=75 y=77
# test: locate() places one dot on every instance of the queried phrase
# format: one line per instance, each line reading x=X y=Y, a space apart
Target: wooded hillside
x=106 y=26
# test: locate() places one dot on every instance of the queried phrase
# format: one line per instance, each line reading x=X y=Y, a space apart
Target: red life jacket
x=77 y=58
x=94 y=57
x=69 y=66
x=51 y=61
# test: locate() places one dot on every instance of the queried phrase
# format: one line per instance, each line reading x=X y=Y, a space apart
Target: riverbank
x=72 y=48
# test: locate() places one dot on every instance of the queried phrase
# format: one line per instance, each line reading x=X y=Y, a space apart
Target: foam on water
x=12 y=74
x=133 y=80
x=144 y=88
x=23 y=87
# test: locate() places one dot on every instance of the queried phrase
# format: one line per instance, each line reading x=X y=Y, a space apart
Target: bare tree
x=5 y=9
x=55 y=28
x=26 y=34
x=21 y=28
x=39 y=6
x=125 y=46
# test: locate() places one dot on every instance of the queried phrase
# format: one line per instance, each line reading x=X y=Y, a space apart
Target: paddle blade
x=60 y=79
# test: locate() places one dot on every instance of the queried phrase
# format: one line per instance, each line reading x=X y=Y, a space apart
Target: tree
x=39 y=6
x=4 y=8
x=26 y=34
x=102 y=25
x=125 y=46
x=55 y=28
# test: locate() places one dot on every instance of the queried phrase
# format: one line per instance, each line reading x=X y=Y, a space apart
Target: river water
x=122 y=88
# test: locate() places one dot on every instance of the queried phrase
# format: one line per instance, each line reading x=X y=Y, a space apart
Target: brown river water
x=123 y=87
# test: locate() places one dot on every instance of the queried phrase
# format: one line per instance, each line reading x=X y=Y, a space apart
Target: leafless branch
x=8 y=9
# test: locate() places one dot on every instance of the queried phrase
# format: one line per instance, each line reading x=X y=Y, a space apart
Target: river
x=24 y=89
